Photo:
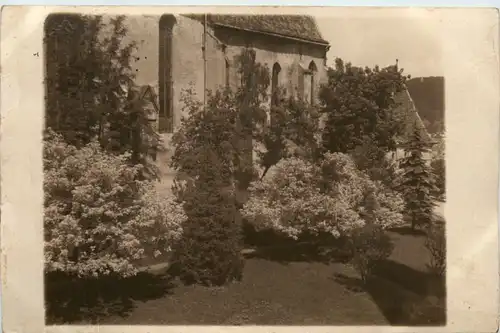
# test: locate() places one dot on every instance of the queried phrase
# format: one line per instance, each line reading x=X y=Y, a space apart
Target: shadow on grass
x=405 y=296
x=350 y=283
x=407 y=230
x=270 y=245
x=418 y=282
x=72 y=300
x=286 y=254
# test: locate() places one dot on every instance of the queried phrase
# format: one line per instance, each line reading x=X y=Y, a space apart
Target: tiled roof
x=408 y=114
x=296 y=26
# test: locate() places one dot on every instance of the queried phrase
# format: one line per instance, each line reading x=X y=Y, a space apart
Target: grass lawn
x=271 y=293
x=276 y=289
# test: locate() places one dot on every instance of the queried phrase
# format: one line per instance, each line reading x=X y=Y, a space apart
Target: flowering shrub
x=390 y=208
x=302 y=197
x=98 y=217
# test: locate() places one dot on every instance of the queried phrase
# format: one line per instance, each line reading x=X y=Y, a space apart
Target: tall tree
x=358 y=104
x=213 y=158
x=417 y=182
x=90 y=84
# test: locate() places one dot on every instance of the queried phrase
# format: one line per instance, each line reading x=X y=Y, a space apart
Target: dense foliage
x=292 y=132
x=330 y=197
x=99 y=219
x=417 y=182
x=214 y=159
x=209 y=251
x=90 y=86
x=438 y=165
x=358 y=104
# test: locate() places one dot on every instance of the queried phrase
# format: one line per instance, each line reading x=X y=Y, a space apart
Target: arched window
x=166 y=115
x=228 y=68
x=312 y=70
x=275 y=83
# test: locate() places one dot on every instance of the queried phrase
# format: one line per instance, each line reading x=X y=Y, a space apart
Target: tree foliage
x=90 y=85
x=98 y=218
x=213 y=157
x=438 y=164
x=358 y=104
x=207 y=158
x=417 y=182
x=292 y=132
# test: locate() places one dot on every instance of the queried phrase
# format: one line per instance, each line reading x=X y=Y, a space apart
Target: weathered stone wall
x=187 y=69
x=292 y=56
x=188 y=64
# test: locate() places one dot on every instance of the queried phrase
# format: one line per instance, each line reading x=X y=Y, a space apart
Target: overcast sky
x=380 y=41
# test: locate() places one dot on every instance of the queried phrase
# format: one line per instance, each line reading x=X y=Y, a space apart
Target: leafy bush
x=291 y=202
x=293 y=132
x=390 y=208
x=209 y=252
x=98 y=217
x=377 y=163
x=358 y=104
x=207 y=158
x=436 y=244
x=369 y=245
x=330 y=197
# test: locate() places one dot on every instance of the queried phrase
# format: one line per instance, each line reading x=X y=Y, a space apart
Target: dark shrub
x=207 y=157
x=209 y=251
x=369 y=245
x=436 y=244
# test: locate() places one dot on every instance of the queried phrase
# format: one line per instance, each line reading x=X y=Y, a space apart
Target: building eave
x=324 y=44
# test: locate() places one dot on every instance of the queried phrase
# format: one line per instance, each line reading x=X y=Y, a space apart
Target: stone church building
x=199 y=52
x=177 y=52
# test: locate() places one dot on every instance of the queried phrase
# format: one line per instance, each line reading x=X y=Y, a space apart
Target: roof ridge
x=302 y=27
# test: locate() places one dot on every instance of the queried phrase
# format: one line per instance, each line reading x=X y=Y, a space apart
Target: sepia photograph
x=232 y=170
x=244 y=168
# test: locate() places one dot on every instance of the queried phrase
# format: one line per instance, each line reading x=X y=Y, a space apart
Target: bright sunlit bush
x=99 y=218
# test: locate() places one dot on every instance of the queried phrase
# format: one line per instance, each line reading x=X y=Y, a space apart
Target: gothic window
x=166 y=115
x=275 y=83
x=312 y=73
x=228 y=69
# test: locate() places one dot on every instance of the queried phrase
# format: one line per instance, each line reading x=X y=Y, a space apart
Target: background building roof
x=408 y=115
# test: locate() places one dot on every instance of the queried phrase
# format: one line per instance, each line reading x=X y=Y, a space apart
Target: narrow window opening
x=166 y=115
x=274 y=84
x=228 y=68
x=312 y=71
